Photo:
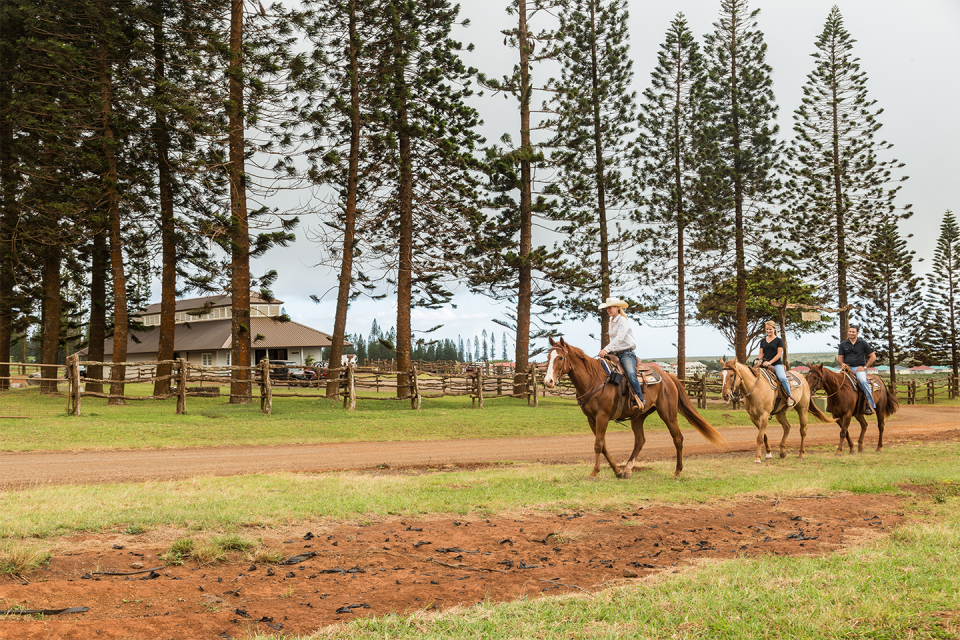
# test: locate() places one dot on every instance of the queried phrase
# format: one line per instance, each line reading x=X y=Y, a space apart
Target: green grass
x=224 y=503
x=212 y=422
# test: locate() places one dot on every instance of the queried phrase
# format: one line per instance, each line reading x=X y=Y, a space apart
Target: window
x=206 y=359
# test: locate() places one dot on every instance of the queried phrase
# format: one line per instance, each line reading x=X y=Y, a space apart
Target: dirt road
x=25 y=469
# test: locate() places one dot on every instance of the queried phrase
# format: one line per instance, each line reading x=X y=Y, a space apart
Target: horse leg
x=636 y=424
x=782 y=419
x=802 y=414
x=863 y=432
x=599 y=427
x=880 y=429
x=669 y=416
x=762 y=442
x=844 y=422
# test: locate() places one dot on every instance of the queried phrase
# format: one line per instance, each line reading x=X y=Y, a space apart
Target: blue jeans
x=862 y=377
x=782 y=375
x=629 y=361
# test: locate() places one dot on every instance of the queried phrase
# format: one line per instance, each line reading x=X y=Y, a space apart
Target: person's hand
x=859 y=369
x=602 y=353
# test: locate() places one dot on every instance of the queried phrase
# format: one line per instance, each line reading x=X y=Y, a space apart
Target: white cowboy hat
x=614 y=302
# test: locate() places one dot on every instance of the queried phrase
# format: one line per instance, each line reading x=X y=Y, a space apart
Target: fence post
x=931 y=392
x=499 y=371
x=350 y=400
x=533 y=386
x=480 y=387
x=702 y=400
x=182 y=387
x=75 y=382
x=266 y=388
x=414 y=389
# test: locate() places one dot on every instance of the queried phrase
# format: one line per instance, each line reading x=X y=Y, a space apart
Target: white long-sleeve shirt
x=621 y=334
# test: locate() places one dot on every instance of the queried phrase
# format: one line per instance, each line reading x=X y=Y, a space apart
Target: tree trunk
x=50 y=317
x=840 y=228
x=525 y=276
x=350 y=215
x=405 y=271
x=168 y=276
x=681 y=227
x=600 y=178
x=8 y=220
x=240 y=391
x=99 y=276
x=118 y=373
x=740 y=339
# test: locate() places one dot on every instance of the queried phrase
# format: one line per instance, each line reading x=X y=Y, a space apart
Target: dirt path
x=25 y=469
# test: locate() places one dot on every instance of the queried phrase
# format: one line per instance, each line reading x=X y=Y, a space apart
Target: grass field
x=212 y=421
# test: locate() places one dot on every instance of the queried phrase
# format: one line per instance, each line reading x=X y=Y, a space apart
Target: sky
x=909 y=51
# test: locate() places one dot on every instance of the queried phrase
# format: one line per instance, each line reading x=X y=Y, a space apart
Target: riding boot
x=867 y=409
x=638 y=405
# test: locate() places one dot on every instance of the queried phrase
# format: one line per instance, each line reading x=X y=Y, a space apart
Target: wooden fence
x=416 y=385
x=927 y=391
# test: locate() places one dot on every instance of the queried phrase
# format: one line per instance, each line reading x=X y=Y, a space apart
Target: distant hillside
x=794 y=357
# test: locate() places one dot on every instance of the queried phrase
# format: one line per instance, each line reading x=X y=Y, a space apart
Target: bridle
x=564 y=353
x=820 y=384
x=735 y=395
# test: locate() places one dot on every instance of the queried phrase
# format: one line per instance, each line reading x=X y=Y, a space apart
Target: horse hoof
x=591 y=478
x=769 y=455
x=758 y=461
x=783 y=455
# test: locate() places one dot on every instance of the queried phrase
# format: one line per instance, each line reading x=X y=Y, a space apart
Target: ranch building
x=203 y=334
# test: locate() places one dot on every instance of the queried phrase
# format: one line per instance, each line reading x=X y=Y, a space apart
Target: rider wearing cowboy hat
x=622 y=343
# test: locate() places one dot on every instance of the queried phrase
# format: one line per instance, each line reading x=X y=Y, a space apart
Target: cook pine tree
x=743 y=173
x=593 y=119
x=943 y=294
x=841 y=186
x=672 y=158
x=893 y=301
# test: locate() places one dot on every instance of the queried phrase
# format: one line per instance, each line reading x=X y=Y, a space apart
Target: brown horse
x=760 y=400
x=843 y=402
x=599 y=402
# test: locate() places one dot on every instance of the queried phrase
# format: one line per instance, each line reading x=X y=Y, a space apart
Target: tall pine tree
x=893 y=301
x=943 y=294
x=593 y=150
x=672 y=160
x=743 y=176
x=840 y=188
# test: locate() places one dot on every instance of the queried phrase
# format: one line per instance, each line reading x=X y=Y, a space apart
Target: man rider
x=622 y=343
x=857 y=353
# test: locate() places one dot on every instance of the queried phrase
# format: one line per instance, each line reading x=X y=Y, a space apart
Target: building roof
x=215 y=334
x=220 y=300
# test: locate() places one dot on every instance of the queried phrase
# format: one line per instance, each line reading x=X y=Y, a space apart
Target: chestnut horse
x=843 y=402
x=599 y=401
x=760 y=400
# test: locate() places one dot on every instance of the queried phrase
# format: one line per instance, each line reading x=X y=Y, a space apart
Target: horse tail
x=815 y=410
x=690 y=413
x=890 y=404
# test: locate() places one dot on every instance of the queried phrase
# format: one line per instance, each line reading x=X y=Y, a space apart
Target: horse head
x=815 y=377
x=558 y=362
x=729 y=372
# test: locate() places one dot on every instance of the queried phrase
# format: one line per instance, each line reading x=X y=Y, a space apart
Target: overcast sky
x=909 y=51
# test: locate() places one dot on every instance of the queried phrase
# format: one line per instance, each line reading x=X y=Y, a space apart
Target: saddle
x=771 y=377
x=874 y=383
x=646 y=375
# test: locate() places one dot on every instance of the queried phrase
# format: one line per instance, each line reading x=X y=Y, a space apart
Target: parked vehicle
x=280 y=369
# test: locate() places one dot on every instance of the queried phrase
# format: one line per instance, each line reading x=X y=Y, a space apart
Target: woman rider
x=771 y=352
x=622 y=343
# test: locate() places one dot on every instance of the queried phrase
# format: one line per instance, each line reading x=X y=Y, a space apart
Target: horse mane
x=593 y=365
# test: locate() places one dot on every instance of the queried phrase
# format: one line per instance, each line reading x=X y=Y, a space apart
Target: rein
x=584 y=398
x=737 y=397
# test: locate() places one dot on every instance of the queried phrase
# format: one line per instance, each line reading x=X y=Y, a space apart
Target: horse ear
x=550 y=339
x=562 y=343
x=722 y=361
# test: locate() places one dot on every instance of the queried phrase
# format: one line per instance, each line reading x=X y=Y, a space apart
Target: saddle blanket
x=645 y=374
x=774 y=381
x=874 y=381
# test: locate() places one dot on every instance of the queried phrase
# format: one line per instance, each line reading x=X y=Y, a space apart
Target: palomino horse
x=843 y=402
x=740 y=380
x=599 y=401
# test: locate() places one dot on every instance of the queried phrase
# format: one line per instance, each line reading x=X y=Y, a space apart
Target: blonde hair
x=621 y=312
x=771 y=323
